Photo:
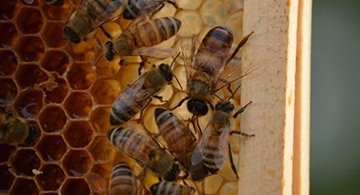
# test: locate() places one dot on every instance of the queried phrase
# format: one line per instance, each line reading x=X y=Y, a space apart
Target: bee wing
x=149 y=5
x=198 y=154
x=223 y=147
x=154 y=52
x=111 y=11
x=188 y=49
x=135 y=92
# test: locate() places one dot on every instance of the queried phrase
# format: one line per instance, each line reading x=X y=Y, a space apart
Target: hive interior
x=58 y=86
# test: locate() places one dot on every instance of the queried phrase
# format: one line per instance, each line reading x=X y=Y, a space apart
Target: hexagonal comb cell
x=29 y=75
x=28 y=103
x=100 y=119
x=25 y=161
x=98 y=177
x=7 y=9
x=75 y=186
x=105 y=91
x=8 y=61
x=24 y=186
x=6 y=151
x=81 y=76
x=54 y=34
x=56 y=13
x=78 y=105
x=8 y=34
x=57 y=93
x=213 y=6
x=51 y=178
x=29 y=20
x=6 y=178
x=55 y=60
x=51 y=147
x=102 y=150
x=8 y=91
x=29 y=48
x=76 y=163
x=52 y=119
x=78 y=134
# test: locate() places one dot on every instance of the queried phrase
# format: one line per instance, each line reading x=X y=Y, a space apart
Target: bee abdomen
x=156 y=31
x=171 y=188
x=120 y=114
x=123 y=180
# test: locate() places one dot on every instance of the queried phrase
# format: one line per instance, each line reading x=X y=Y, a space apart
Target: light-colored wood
x=266 y=161
x=302 y=103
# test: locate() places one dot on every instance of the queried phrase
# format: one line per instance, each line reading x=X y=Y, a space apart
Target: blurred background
x=335 y=122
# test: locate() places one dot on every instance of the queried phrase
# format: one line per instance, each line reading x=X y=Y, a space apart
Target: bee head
x=172 y=175
x=197 y=107
x=71 y=35
x=154 y=188
x=109 y=51
x=224 y=106
x=166 y=72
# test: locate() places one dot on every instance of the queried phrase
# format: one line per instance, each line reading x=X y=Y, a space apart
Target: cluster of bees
x=186 y=153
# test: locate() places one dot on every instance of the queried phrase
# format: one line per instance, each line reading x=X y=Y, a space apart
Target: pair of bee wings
x=135 y=94
x=200 y=152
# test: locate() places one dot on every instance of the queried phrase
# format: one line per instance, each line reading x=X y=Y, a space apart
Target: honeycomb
x=48 y=81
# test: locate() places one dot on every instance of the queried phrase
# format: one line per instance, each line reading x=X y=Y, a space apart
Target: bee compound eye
x=197 y=107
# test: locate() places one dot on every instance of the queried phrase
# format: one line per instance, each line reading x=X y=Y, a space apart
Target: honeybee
x=14 y=131
x=139 y=38
x=178 y=137
x=171 y=188
x=54 y=2
x=123 y=180
x=145 y=151
x=210 y=60
x=134 y=7
x=213 y=148
x=138 y=95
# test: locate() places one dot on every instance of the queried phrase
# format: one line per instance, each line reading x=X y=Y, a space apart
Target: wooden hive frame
x=277 y=160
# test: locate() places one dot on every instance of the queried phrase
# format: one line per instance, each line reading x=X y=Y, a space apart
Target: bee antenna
x=177 y=80
x=232 y=95
x=173 y=62
x=219 y=97
x=242 y=43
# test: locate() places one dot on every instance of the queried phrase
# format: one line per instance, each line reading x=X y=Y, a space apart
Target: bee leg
x=142 y=64
x=180 y=103
x=106 y=33
x=173 y=4
x=232 y=162
x=241 y=110
x=142 y=110
x=242 y=133
x=242 y=42
x=160 y=98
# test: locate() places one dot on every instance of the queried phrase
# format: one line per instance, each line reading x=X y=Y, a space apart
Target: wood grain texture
x=265 y=164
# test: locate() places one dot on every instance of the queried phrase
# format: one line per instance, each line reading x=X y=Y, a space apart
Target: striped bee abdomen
x=213 y=156
x=171 y=188
x=123 y=180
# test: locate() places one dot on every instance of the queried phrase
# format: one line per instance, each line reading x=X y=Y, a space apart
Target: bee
x=210 y=60
x=58 y=3
x=16 y=132
x=178 y=137
x=138 y=95
x=139 y=38
x=134 y=7
x=123 y=180
x=171 y=188
x=213 y=148
x=145 y=151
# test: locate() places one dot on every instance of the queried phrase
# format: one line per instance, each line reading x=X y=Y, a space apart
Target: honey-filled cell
x=55 y=61
x=51 y=177
x=8 y=61
x=60 y=13
x=8 y=34
x=100 y=119
x=51 y=147
x=29 y=20
x=6 y=151
x=104 y=91
x=81 y=76
x=24 y=161
x=101 y=150
x=86 y=51
x=30 y=48
x=76 y=163
x=53 y=34
x=29 y=103
x=7 y=9
x=78 y=105
x=29 y=75
x=24 y=186
x=52 y=119
x=58 y=92
x=75 y=186
x=6 y=178
x=78 y=134
x=8 y=91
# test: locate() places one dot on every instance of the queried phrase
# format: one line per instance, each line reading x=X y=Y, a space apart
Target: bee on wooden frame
x=14 y=131
x=145 y=150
